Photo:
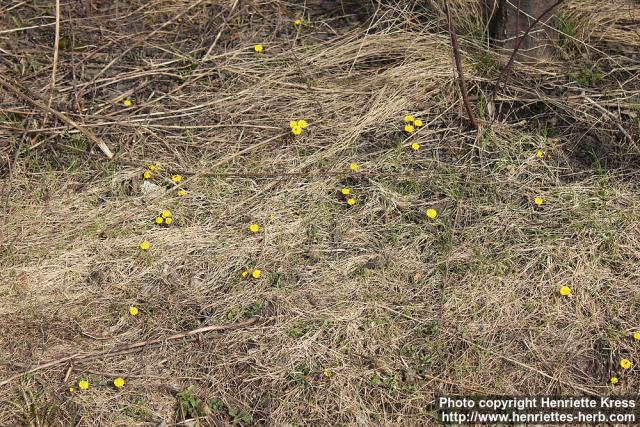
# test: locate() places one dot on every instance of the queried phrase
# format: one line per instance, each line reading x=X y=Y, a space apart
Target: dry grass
x=396 y=308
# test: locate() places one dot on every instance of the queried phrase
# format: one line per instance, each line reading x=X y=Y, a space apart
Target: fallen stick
x=62 y=117
x=129 y=348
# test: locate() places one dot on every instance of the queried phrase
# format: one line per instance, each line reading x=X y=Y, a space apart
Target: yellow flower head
x=409 y=128
x=118 y=382
x=258 y=48
x=432 y=213
x=565 y=291
x=409 y=119
x=133 y=310
x=168 y=221
x=296 y=130
x=254 y=228
x=147 y=175
x=245 y=274
x=256 y=274
x=354 y=167
x=127 y=102
x=159 y=220
x=614 y=380
x=351 y=201
x=293 y=123
x=176 y=178
x=418 y=123
x=415 y=146
x=72 y=389
x=297 y=22
x=636 y=335
x=326 y=373
x=144 y=246
x=538 y=201
x=346 y=191
x=181 y=192
x=625 y=364
x=539 y=155
x=166 y=213
x=83 y=384
x=302 y=124
x=152 y=167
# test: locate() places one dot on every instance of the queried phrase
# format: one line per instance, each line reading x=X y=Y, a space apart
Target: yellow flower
x=166 y=213
x=176 y=178
x=409 y=119
x=565 y=291
x=181 y=192
x=354 y=167
x=293 y=123
x=346 y=191
x=159 y=220
x=127 y=102
x=302 y=124
x=168 y=221
x=254 y=228
x=418 y=123
x=614 y=380
x=297 y=22
x=144 y=246
x=245 y=274
x=296 y=130
x=83 y=384
x=415 y=146
x=539 y=155
x=351 y=201
x=432 y=213
x=625 y=364
x=258 y=48
x=409 y=128
x=118 y=382
x=538 y=201
x=133 y=310
x=327 y=373
x=636 y=335
x=256 y=274
x=147 y=175
x=152 y=167
x=72 y=389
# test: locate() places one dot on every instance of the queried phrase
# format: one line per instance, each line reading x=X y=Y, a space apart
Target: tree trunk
x=506 y=25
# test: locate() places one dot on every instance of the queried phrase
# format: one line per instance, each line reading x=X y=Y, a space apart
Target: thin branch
x=129 y=348
x=54 y=66
x=456 y=55
x=507 y=69
x=29 y=97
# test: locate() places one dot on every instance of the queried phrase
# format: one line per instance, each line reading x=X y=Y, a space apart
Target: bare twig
x=507 y=69
x=54 y=66
x=456 y=55
x=28 y=97
x=128 y=348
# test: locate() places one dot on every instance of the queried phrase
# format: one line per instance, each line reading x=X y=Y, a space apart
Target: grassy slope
x=365 y=314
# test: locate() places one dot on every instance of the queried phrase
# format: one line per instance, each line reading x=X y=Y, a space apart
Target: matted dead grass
x=362 y=314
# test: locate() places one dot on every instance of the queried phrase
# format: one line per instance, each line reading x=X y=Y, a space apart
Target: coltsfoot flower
x=625 y=364
x=565 y=291
x=256 y=274
x=538 y=201
x=83 y=384
x=258 y=48
x=176 y=178
x=118 y=382
x=415 y=146
x=254 y=228
x=144 y=246
x=432 y=213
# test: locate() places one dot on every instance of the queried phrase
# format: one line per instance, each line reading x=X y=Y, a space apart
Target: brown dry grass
x=396 y=308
